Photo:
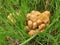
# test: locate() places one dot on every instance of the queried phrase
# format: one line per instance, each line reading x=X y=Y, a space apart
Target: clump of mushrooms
x=37 y=21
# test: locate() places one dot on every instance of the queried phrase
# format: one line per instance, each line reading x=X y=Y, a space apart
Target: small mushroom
x=39 y=22
x=44 y=18
x=34 y=25
x=32 y=32
x=37 y=13
x=30 y=24
x=33 y=18
x=11 y=18
x=47 y=13
x=42 y=26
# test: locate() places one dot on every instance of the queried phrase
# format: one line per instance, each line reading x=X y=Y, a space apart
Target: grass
x=16 y=31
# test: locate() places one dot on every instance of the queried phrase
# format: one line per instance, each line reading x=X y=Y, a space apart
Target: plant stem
x=27 y=40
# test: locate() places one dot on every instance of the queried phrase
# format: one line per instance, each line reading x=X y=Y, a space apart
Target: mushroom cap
x=39 y=22
x=44 y=18
x=32 y=32
x=33 y=18
x=30 y=24
x=37 y=13
x=47 y=13
x=34 y=25
x=42 y=26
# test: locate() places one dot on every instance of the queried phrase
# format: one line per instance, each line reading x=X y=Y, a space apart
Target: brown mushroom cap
x=44 y=18
x=33 y=18
x=47 y=13
x=42 y=26
x=37 y=13
x=30 y=24
x=34 y=25
x=39 y=22
x=32 y=32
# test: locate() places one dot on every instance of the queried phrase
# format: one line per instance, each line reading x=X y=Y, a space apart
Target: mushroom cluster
x=10 y=17
x=36 y=21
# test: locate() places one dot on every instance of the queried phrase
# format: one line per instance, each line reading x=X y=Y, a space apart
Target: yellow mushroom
x=39 y=22
x=32 y=32
x=30 y=24
x=42 y=26
x=33 y=18
x=44 y=18
x=34 y=25
x=37 y=13
x=47 y=13
x=11 y=18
